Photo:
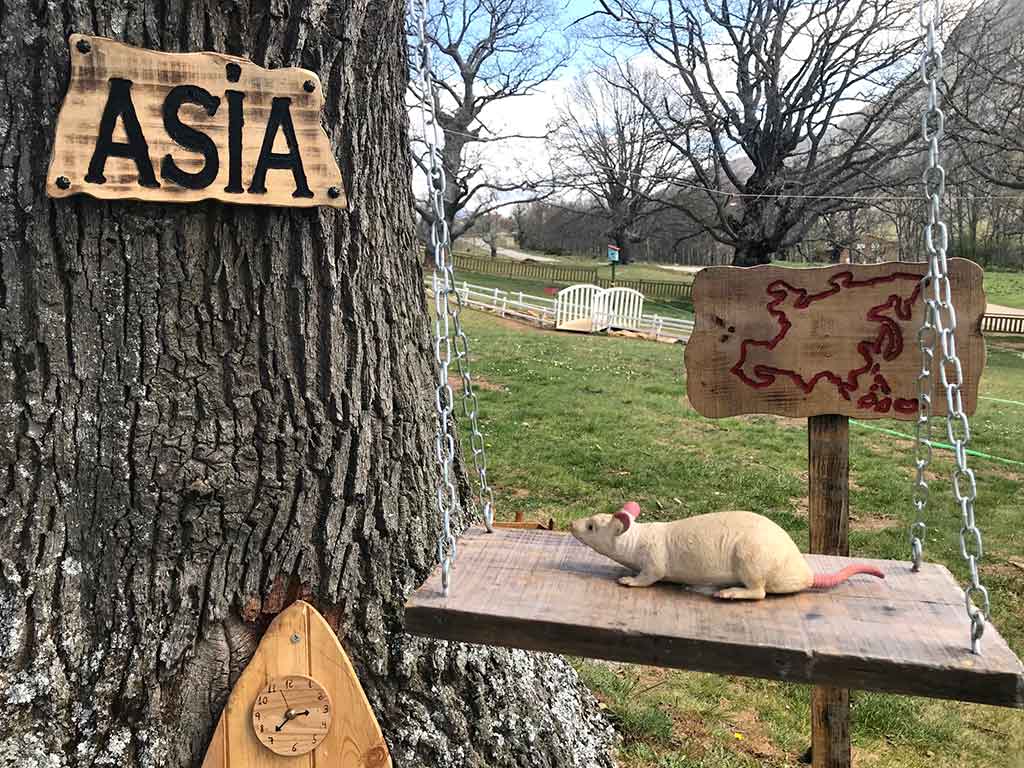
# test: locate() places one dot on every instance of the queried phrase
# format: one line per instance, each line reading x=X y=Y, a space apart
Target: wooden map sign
x=830 y=340
x=184 y=127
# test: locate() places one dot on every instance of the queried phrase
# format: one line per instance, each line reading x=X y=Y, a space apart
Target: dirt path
x=510 y=253
x=999 y=309
x=680 y=268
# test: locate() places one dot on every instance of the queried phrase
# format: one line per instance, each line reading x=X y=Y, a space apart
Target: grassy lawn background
x=1006 y=288
x=578 y=424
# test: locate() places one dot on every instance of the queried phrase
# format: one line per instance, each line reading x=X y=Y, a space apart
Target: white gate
x=589 y=308
x=574 y=308
x=618 y=308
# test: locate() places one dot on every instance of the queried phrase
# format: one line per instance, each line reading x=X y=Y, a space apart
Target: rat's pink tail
x=827 y=580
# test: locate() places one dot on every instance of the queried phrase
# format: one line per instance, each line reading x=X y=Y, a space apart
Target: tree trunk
x=429 y=260
x=209 y=410
x=625 y=246
x=750 y=254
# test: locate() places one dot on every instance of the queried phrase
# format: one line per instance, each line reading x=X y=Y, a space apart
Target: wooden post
x=828 y=504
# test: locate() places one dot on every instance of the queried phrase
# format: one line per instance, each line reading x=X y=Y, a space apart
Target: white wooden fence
x=574 y=307
x=618 y=308
x=546 y=311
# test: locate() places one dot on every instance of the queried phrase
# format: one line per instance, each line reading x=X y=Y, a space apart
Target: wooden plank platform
x=545 y=591
x=584 y=325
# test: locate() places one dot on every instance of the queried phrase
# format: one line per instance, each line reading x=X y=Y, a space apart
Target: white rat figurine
x=720 y=549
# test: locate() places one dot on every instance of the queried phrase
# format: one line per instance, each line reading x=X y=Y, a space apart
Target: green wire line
x=1001 y=400
x=936 y=444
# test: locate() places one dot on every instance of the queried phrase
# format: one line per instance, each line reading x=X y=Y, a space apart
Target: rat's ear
x=625 y=518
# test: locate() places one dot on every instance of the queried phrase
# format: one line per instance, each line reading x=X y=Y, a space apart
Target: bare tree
x=781 y=106
x=485 y=52
x=611 y=149
x=986 y=92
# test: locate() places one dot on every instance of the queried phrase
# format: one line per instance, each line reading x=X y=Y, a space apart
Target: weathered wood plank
x=828 y=506
x=544 y=591
x=839 y=339
x=279 y=108
x=830 y=727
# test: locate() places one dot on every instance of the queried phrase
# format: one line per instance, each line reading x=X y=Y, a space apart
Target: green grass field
x=578 y=424
x=1006 y=288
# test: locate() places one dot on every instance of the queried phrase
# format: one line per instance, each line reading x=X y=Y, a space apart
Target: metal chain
x=450 y=340
x=923 y=431
x=939 y=328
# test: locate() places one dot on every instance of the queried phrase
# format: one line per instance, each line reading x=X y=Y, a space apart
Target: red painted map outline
x=888 y=343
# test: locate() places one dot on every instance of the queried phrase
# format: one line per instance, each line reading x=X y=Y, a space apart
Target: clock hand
x=289 y=715
x=288 y=712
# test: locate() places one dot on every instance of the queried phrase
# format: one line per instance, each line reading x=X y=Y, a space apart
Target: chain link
x=938 y=333
x=450 y=341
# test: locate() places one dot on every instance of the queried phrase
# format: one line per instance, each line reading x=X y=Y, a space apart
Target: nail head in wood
x=296 y=639
x=309 y=86
x=334 y=193
x=83 y=46
x=63 y=182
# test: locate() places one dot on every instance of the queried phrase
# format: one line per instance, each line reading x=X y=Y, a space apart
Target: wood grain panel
x=544 y=591
x=840 y=339
x=152 y=75
x=355 y=737
x=300 y=642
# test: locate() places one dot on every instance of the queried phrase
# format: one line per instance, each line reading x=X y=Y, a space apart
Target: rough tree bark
x=207 y=410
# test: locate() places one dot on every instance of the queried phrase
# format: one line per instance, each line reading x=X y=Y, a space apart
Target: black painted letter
x=280 y=118
x=190 y=138
x=119 y=104
x=235 y=123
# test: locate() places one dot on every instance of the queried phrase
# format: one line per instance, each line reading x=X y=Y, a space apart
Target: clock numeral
x=323 y=724
x=326 y=709
x=264 y=699
x=270 y=739
x=314 y=739
x=261 y=727
x=320 y=697
x=295 y=745
x=257 y=716
x=289 y=683
x=310 y=683
x=271 y=688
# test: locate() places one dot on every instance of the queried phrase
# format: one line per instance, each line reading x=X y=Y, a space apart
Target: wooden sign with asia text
x=184 y=127
x=831 y=340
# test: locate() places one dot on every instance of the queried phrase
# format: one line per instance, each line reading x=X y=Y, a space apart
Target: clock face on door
x=292 y=715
